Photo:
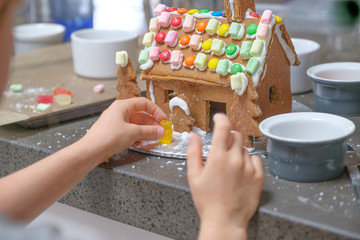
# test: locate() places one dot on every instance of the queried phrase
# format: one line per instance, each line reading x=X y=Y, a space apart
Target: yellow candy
x=207 y=45
x=212 y=64
x=192 y=11
x=167 y=126
x=223 y=29
x=278 y=19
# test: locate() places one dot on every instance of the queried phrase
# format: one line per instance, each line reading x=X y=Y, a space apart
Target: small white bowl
x=306 y=146
x=336 y=87
x=94 y=51
x=35 y=35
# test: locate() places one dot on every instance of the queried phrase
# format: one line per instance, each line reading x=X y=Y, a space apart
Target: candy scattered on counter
x=47 y=99
x=42 y=107
x=167 y=126
x=99 y=88
x=61 y=90
x=63 y=99
x=16 y=87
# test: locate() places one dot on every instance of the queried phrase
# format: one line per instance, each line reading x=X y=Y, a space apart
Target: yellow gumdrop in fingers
x=167 y=126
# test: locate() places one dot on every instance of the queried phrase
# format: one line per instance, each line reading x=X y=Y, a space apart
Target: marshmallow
x=171 y=38
x=176 y=57
x=262 y=31
x=164 y=19
x=148 y=39
x=195 y=42
x=99 y=88
x=154 y=25
x=122 y=58
x=266 y=17
x=154 y=53
x=159 y=9
x=189 y=23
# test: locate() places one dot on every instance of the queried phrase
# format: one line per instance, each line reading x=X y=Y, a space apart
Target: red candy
x=159 y=37
x=171 y=9
x=176 y=21
x=45 y=99
x=61 y=90
x=165 y=55
x=254 y=14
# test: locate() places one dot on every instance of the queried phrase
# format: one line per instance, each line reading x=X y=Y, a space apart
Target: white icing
x=251 y=36
x=201 y=69
x=151 y=90
x=199 y=32
x=287 y=49
x=176 y=67
x=147 y=65
x=183 y=46
x=231 y=3
x=235 y=54
x=191 y=67
x=247 y=14
x=176 y=101
x=244 y=84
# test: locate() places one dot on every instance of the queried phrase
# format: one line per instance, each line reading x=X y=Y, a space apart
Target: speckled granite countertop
x=152 y=193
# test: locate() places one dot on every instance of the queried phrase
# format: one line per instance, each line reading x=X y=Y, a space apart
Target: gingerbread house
x=199 y=62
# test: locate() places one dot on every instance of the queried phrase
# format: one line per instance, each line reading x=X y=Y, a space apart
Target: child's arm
x=28 y=192
x=227 y=189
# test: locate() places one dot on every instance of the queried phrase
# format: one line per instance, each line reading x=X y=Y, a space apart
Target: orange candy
x=61 y=90
x=182 y=10
x=201 y=26
x=189 y=60
x=184 y=40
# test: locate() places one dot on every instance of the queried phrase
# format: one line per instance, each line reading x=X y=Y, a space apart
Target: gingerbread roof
x=206 y=47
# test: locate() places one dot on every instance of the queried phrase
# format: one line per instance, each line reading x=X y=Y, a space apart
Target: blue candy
x=217 y=13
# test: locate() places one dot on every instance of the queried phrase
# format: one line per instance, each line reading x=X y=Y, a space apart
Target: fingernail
x=160 y=132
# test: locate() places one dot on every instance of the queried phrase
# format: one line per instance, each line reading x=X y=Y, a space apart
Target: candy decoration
x=278 y=19
x=165 y=55
x=193 y=11
x=62 y=99
x=43 y=106
x=235 y=81
x=121 y=58
x=218 y=47
x=201 y=26
x=148 y=39
x=257 y=48
x=206 y=46
x=184 y=41
x=195 y=42
x=171 y=38
x=222 y=67
x=235 y=68
x=266 y=17
x=176 y=59
x=172 y=9
x=168 y=132
x=144 y=56
x=164 y=19
x=223 y=30
x=176 y=22
x=159 y=37
x=252 y=66
x=189 y=60
x=245 y=49
x=45 y=99
x=236 y=30
x=217 y=14
x=182 y=10
x=154 y=25
x=99 y=88
x=251 y=29
x=189 y=23
x=204 y=11
x=159 y=9
x=154 y=53
x=62 y=90
x=200 y=61
x=16 y=87
x=232 y=51
x=212 y=26
x=263 y=31
x=212 y=64
x=254 y=14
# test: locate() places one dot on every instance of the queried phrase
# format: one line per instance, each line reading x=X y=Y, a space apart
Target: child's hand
x=125 y=122
x=227 y=189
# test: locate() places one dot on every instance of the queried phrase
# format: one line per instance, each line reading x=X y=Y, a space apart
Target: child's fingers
x=143 y=104
x=221 y=135
x=147 y=132
x=194 y=156
x=142 y=118
x=257 y=163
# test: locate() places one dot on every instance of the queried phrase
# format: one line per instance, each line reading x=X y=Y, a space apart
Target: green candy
x=42 y=107
x=234 y=29
x=252 y=66
x=222 y=67
x=16 y=87
x=231 y=49
x=204 y=11
x=251 y=29
x=245 y=49
x=236 y=68
x=144 y=56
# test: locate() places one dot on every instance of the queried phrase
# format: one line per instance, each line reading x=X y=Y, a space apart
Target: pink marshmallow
x=154 y=53
x=189 y=23
x=159 y=9
x=267 y=17
x=171 y=38
x=99 y=88
x=164 y=20
x=154 y=25
x=176 y=57
x=195 y=41
x=262 y=31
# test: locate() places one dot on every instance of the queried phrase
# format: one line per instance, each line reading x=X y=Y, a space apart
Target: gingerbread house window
x=215 y=107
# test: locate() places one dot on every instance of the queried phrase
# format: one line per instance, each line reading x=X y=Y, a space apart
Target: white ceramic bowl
x=35 y=35
x=336 y=87
x=94 y=51
x=307 y=146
